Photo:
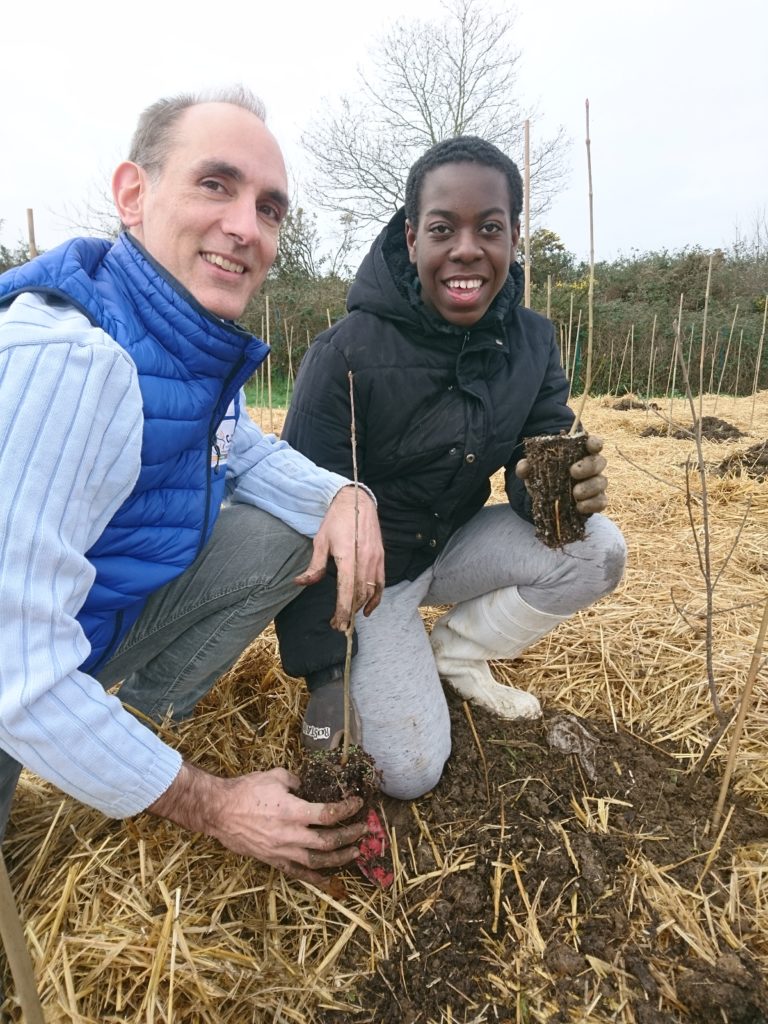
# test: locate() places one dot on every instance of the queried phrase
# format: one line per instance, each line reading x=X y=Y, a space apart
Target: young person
x=450 y=374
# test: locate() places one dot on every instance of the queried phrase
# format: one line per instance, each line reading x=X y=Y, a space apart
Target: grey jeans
x=194 y=629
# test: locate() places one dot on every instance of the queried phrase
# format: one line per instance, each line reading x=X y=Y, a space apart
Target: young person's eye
x=439 y=229
x=491 y=228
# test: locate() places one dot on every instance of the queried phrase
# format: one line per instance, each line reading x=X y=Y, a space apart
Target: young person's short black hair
x=462 y=149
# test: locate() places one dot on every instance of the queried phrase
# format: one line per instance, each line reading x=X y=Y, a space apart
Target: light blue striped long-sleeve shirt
x=70 y=444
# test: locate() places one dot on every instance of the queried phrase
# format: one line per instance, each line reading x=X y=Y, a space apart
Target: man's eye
x=212 y=185
x=273 y=213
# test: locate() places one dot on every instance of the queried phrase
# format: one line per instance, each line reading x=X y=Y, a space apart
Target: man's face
x=211 y=217
x=465 y=240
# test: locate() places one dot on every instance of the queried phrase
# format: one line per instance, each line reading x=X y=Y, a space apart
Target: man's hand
x=336 y=539
x=258 y=815
x=589 y=491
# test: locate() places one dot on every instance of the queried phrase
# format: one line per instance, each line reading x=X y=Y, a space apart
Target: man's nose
x=241 y=221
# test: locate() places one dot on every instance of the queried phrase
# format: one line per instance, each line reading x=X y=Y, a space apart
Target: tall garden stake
x=12 y=934
x=743 y=704
x=350 y=630
x=591 y=294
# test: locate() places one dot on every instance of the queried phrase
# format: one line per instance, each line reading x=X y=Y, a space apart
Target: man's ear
x=128 y=191
x=410 y=240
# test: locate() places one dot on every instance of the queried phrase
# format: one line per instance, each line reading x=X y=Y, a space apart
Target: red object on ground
x=374 y=860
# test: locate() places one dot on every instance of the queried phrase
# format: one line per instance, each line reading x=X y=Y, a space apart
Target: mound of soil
x=530 y=862
x=625 y=404
x=753 y=462
x=712 y=429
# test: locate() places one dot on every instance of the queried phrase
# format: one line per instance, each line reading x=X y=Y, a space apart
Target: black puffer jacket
x=438 y=409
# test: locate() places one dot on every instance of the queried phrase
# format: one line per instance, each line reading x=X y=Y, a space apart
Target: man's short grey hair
x=155 y=132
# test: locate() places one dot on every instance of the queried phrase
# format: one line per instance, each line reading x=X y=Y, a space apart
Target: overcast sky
x=678 y=93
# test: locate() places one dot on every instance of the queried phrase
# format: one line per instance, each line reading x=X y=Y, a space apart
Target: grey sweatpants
x=394 y=680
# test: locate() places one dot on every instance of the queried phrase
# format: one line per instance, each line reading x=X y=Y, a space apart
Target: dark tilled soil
x=553 y=507
x=712 y=429
x=753 y=462
x=625 y=404
x=461 y=937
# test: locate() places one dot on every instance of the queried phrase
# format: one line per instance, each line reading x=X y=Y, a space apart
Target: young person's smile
x=465 y=240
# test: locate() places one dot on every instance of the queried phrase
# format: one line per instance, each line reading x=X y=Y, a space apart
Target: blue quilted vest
x=191 y=366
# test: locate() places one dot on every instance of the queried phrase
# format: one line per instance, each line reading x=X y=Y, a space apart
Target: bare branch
x=428 y=80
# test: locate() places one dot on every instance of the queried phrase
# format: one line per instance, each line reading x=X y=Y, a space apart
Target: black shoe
x=323 y=725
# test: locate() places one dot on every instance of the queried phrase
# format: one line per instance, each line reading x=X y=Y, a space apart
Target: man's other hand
x=336 y=539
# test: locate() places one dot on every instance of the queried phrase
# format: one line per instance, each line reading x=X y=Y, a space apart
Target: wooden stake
x=19 y=961
x=725 y=358
x=591 y=294
x=743 y=703
x=549 y=296
x=677 y=353
x=269 y=370
x=31 y=234
x=527 y=207
x=757 y=364
x=350 y=630
x=704 y=339
x=738 y=365
x=650 y=360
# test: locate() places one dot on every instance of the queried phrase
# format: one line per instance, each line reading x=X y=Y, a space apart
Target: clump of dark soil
x=712 y=429
x=555 y=516
x=324 y=779
x=625 y=404
x=753 y=462
x=533 y=857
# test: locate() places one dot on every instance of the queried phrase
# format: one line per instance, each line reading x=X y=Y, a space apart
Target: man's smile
x=223 y=262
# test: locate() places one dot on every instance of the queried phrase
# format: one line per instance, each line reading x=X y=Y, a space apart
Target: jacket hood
x=388 y=286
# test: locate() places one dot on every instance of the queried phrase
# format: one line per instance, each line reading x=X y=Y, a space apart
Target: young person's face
x=212 y=215
x=465 y=240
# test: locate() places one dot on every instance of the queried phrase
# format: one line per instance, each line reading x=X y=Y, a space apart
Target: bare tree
x=429 y=80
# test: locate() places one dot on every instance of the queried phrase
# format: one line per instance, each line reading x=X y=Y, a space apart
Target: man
x=121 y=430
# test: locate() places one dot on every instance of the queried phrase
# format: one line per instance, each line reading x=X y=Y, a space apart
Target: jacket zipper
x=213 y=446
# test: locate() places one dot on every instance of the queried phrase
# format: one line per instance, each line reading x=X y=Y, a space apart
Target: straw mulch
x=536 y=884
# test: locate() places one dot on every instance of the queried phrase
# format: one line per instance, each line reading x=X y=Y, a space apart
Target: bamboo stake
x=350 y=630
x=632 y=360
x=677 y=352
x=711 y=385
x=621 y=364
x=33 y=251
x=527 y=206
x=725 y=358
x=757 y=364
x=610 y=368
x=704 y=338
x=650 y=359
x=591 y=294
x=19 y=961
x=269 y=371
x=738 y=365
x=570 y=333
x=737 y=730
x=570 y=373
